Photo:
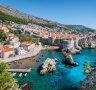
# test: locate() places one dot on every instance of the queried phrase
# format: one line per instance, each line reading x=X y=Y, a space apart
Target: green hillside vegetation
x=2 y=36
x=6 y=80
x=74 y=29
x=6 y=17
x=27 y=37
x=24 y=37
x=87 y=67
x=46 y=25
x=79 y=28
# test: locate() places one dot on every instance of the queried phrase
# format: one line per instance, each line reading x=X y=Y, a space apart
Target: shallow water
x=64 y=78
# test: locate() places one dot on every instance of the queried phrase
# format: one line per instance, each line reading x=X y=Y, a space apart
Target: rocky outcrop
x=49 y=65
x=90 y=82
x=76 y=44
x=69 y=61
x=75 y=48
x=89 y=41
x=74 y=51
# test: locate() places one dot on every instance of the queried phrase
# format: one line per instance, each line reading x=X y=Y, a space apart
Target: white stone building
x=8 y=52
x=28 y=45
x=20 y=51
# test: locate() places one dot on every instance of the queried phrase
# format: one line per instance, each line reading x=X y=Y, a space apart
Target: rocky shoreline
x=77 y=44
x=90 y=82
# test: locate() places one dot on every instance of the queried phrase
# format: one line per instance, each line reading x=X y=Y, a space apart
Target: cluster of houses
x=28 y=28
x=65 y=41
x=15 y=47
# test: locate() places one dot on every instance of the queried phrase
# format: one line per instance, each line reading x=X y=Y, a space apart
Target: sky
x=79 y=12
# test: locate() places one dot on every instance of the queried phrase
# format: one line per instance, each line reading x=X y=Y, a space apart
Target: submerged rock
x=26 y=85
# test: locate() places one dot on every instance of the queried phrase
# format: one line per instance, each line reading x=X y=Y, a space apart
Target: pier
x=20 y=70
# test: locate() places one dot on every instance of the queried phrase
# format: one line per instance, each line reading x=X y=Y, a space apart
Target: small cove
x=63 y=78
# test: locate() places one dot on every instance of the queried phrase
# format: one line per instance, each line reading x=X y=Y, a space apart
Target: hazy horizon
x=68 y=12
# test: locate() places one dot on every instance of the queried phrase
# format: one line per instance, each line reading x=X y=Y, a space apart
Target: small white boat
x=20 y=74
x=13 y=74
x=25 y=74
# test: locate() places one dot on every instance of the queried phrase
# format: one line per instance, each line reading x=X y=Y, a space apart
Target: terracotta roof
x=57 y=35
x=1 y=48
x=8 y=49
x=27 y=42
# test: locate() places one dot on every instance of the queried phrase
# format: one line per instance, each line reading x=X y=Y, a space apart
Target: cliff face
x=90 y=82
x=51 y=25
x=87 y=42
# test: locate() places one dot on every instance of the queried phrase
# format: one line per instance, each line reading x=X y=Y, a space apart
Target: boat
x=20 y=74
x=13 y=74
x=25 y=74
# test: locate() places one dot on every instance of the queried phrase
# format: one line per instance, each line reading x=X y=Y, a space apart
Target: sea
x=63 y=78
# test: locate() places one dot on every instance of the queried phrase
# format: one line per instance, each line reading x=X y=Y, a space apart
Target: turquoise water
x=64 y=78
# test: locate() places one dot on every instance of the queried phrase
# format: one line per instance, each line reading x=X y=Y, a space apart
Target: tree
x=6 y=80
x=2 y=36
x=3 y=67
x=25 y=36
x=87 y=67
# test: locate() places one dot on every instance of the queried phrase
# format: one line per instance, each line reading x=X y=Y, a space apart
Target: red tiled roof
x=8 y=49
x=27 y=42
x=57 y=35
x=1 y=48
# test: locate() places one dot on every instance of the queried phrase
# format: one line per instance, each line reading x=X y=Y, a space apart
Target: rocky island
x=69 y=61
x=49 y=65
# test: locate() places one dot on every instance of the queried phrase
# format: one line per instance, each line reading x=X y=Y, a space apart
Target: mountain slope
x=79 y=28
x=22 y=15
x=22 y=18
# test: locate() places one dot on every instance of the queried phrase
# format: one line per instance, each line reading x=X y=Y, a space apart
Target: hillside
x=9 y=14
x=79 y=28
x=22 y=15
